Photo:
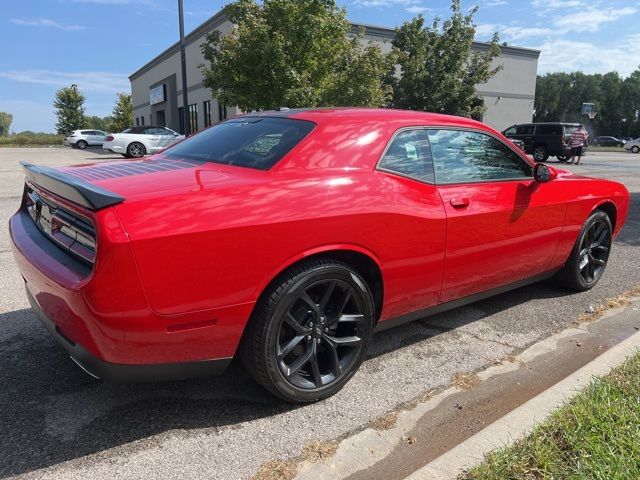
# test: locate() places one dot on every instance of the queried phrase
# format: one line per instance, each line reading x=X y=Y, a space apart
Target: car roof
x=324 y=115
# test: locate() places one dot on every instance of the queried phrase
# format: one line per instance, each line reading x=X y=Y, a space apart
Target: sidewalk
x=456 y=427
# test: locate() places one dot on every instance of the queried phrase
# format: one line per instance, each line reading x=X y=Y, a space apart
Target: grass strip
x=596 y=435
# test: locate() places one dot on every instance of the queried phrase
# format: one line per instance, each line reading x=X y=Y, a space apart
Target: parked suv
x=544 y=140
x=85 y=138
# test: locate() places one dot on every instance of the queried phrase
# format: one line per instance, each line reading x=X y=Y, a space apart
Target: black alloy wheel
x=309 y=336
x=563 y=158
x=590 y=254
x=594 y=251
x=317 y=341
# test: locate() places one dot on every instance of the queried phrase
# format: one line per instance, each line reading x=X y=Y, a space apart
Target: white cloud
x=416 y=9
x=44 y=22
x=495 y=3
x=104 y=82
x=512 y=32
x=592 y=18
x=568 y=55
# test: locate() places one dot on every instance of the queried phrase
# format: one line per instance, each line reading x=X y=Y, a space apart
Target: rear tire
x=635 y=149
x=563 y=158
x=310 y=331
x=136 y=150
x=540 y=153
x=590 y=254
x=81 y=144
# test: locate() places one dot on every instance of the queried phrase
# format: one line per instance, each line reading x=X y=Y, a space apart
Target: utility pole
x=185 y=101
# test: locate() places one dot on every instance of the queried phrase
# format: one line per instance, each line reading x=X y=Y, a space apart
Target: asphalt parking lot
x=57 y=422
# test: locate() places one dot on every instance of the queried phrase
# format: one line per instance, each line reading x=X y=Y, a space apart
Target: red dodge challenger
x=289 y=237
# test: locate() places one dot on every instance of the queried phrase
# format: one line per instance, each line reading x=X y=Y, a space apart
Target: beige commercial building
x=157 y=86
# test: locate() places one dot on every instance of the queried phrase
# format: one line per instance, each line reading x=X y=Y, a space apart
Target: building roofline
x=377 y=30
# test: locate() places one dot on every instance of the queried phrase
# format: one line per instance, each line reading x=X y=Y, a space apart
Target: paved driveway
x=56 y=422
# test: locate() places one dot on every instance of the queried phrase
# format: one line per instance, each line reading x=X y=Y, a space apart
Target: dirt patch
x=385 y=422
x=466 y=381
x=319 y=450
x=277 y=470
x=621 y=301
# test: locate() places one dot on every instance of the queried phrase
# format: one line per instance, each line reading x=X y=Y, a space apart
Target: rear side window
x=253 y=142
x=409 y=155
x=550 y=130
x=525 y=130
x=460 y=157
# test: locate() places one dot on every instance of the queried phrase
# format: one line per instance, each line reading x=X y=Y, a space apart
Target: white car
x=136 y=142
x=633 y=145
x=85 y=138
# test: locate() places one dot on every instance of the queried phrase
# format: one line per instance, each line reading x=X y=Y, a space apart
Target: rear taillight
x=109 y=138
x=68 y=229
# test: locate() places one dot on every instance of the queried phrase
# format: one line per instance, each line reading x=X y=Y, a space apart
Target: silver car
x=85 y=138
x=136 y=142
x=633 y=145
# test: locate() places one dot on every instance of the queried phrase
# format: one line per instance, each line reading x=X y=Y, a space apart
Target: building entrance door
x=160 y=120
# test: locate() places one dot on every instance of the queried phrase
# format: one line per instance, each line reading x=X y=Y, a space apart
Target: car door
x=153 y=139
x=552 y=137
x=502 y=225
x=415 y=226
x=526 y=134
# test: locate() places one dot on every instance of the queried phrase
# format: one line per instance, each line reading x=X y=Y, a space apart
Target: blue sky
x=96 y=44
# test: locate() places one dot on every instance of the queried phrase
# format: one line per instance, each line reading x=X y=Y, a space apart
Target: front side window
x=461 y=156
x=510 y=131
x=253 y=142
x=409 y=155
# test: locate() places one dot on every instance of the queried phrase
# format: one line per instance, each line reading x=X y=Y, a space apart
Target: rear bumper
x=103 y=319
x=110 y=147
x=127 y=372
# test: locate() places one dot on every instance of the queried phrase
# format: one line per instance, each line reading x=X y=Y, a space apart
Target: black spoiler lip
x=69 y=187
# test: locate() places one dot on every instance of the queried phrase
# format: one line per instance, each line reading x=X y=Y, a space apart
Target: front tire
x=588 y=259
x=635 y=149
x=81 y=144
x=310 y=331
x=136 y=150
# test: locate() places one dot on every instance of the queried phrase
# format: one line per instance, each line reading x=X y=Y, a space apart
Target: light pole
x=186 y=118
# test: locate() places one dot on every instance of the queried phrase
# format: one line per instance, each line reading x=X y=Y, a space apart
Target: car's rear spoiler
x=69 y=187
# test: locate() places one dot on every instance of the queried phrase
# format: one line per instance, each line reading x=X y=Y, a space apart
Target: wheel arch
x=360 y=259
x=611 y=210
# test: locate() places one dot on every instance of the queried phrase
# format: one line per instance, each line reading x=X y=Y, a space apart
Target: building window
x=142 y=120
x=181 y=119
x=193 y=118
x=137 y=121
x=222 y=112
x=206 y=106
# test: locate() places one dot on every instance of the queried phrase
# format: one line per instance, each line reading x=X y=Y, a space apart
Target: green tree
x=439 y=71
x=5 y=123
x=122 y=114
x=69 y=106
x=293 y=53
x=99 y=123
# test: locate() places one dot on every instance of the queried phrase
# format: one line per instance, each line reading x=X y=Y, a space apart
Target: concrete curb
x=521 y=420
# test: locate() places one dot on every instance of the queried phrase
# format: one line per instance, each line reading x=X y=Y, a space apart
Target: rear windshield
x=253 y=142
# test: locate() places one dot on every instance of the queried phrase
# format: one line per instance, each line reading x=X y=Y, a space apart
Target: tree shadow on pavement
x=52 y=412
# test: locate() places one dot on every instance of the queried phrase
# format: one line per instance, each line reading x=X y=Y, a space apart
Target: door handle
x=459 y=202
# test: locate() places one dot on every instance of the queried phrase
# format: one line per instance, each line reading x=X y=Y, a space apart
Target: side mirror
x=544 y=173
